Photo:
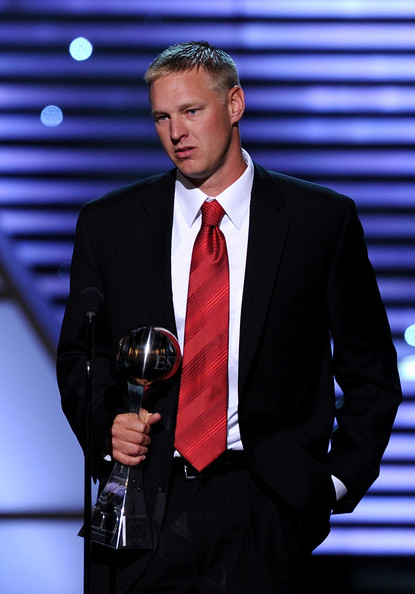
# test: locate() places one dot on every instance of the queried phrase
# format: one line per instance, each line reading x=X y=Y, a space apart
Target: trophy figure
x=119 y=519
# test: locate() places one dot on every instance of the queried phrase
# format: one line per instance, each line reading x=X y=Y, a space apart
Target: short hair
x=186 y=56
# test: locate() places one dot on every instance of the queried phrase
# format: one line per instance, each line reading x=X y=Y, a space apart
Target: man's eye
x=192 y=111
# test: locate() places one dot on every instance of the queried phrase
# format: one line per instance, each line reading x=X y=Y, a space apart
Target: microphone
x=91 y=301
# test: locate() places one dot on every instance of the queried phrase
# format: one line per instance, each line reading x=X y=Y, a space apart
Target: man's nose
x=177 y=129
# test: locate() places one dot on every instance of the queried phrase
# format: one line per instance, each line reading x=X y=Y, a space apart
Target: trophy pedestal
x=119 y=519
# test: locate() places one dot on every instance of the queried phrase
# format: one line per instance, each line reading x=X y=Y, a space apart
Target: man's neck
x=221 y=179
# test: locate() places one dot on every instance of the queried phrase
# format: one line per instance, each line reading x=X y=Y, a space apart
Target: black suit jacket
x=311 y=310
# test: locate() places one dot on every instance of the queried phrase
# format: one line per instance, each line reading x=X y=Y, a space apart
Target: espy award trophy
x=119 y=520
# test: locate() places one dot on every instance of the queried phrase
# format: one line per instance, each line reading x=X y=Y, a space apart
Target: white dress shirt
x=235 y=201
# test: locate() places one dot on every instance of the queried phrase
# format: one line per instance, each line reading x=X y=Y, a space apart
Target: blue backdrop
x=330 y=98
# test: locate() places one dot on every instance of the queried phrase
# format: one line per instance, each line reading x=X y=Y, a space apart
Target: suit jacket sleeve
x=107 y=395
x=122 y=247
x=364 y=363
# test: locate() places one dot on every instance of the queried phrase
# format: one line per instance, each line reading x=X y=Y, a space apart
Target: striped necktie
x=201 y=429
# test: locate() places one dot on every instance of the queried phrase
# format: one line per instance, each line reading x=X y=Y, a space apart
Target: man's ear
x=236 y=103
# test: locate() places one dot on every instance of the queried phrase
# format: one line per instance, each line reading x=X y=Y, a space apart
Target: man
x=303 y=308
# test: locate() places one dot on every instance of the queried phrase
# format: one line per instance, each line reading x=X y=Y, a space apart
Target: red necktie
x=201 y=433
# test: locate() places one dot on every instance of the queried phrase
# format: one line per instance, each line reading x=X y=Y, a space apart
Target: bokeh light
x=51 y=116
x=410 y=335
x=81 y=49
x=407 y=368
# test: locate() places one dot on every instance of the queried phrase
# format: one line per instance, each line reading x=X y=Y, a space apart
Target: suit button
x=161 y=487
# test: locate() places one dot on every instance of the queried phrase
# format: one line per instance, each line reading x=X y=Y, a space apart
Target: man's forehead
x=182 y=87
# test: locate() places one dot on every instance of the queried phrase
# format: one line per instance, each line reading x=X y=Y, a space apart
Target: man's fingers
x=153 y=418
x=130 y=436
x=127 y=460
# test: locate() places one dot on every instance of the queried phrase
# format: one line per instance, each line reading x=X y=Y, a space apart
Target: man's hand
x=130 y=436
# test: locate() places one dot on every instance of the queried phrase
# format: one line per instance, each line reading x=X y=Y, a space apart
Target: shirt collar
x=235 y=199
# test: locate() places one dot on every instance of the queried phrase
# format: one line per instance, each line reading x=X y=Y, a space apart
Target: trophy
x=119 y=519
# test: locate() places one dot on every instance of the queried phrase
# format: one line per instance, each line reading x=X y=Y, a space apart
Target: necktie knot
x=212 y=213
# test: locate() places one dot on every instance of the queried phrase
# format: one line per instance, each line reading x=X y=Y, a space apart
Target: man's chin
x=194 y=179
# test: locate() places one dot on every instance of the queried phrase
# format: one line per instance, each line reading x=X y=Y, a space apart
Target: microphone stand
x=90 y=315
x=91 y=303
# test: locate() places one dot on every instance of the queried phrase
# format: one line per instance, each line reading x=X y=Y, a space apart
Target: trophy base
x=119 y=519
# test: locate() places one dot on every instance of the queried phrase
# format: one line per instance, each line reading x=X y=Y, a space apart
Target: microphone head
x=91 y=301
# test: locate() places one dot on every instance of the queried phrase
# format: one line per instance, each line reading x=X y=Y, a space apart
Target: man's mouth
x=184 y=152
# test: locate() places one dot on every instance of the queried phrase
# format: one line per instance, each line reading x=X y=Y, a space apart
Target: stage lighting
x=51 y=116
x=80 y=49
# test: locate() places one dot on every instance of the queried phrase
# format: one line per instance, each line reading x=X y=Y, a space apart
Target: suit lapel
x=268 y=229
x=153 y=241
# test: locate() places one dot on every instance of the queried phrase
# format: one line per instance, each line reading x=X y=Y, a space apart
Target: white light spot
x=51 y=116
x=407 y=368
x=80 y=49
x=410 y=335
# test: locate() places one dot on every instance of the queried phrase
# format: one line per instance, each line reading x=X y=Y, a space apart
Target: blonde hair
x=183 y=57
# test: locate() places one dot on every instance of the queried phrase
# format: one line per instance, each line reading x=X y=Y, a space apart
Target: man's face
x=197 y=125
